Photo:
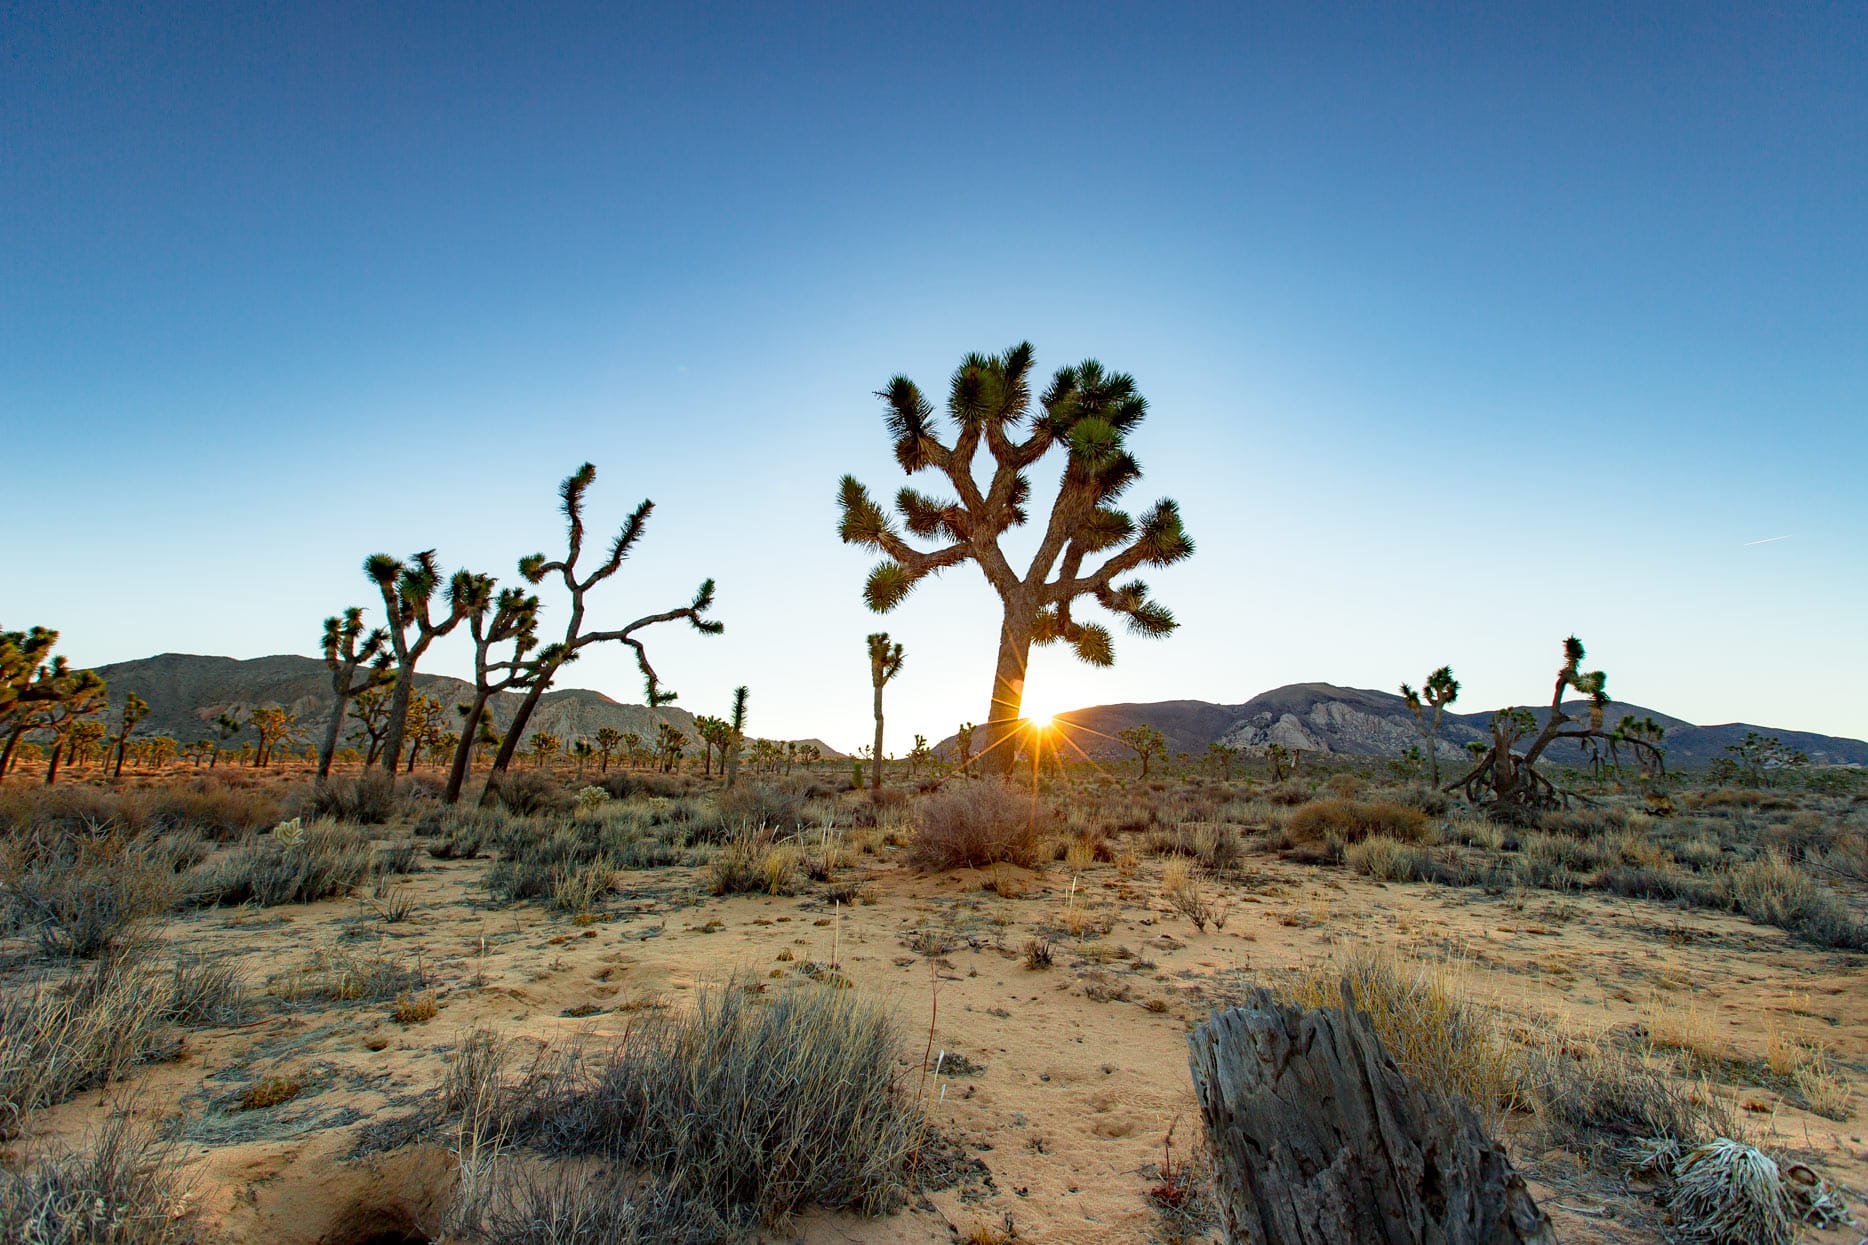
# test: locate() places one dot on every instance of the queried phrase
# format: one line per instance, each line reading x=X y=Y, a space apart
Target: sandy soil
x=1070 y=1082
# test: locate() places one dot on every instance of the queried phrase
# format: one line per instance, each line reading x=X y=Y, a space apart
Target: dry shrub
x=58 y=1038
x=1288 y=794
x=416 y=1009
x=520 y=1205
x=1598 y=1099
x=206 y=993
x=577 y=889
x=218 y=808
x=977 y=824
x=752 y=864
x=1321 y=830
x=1180 y=887
x=269 y=1091
x=74 y=808
x=530 y=793
x=1388 y=860
x=338 y=976
x=1436 y=1034
x=756 y=804
x=122 y=1188
x=329 y=861
x=368 y=799
x=85 y=894
x=768 y=1103
x=1772 y=891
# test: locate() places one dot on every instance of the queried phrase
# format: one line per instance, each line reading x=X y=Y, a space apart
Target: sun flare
x=1039 y=721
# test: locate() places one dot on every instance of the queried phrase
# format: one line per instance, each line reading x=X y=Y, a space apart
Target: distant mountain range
x=1321 y=717
x=187 y=693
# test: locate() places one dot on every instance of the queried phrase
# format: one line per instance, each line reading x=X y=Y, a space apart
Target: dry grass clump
x=519 y=1205
x=1216 y=846
x=977 y=824
x=751 y=864
x=85 y=894
x=1450 y=1044
x=414 y=1009
x=578 y=889
x=122 y=1188
x=269 y=1091
x=769 y=1103
x=1387 y=860
x=1180 y=887
x=219 y=808
x=1600 y=1100
x=756 y=804
x=338 y=976
x=1324 y=828
x=325 y=860
x=60 y=1037
x=1772 y=891
x=1729 y=1193
x=206 y=993
x=531 y=793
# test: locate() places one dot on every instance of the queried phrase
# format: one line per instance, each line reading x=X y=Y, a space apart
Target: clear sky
x=1463 y=328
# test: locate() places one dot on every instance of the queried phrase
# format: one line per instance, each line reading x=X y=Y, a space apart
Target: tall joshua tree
x=1088 y=413
x=729 y=760
x=32 y=682
x=536 y=568
x=78 y=695
x=885 y=662
x=408 y=590
x=1427 y=705
x=509 y=618
x=135 y=709
x=348 y=649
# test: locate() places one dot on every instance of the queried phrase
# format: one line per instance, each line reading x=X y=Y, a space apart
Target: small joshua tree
x=1427 y=705
x=135 y=709
x=1281 y=760
x=275 y=725
x=1088 y=413
x=670 y=744
x=715 y=734
x=608 y=740
x=1144 y=741
x=511 y=617
x=1505 y=778
x=408 y=590
x=885 y=662
x=348 y=649
x=537 y=568
x=963 y=744
x=729 y=760
x=544 y=747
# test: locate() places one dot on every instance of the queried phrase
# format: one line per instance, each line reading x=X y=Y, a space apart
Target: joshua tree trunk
x=875 y=771
x=1008 y=697
x=51 y=765
x=463 y=751
x=510 y=744
x=6 y=755
x=327 y=751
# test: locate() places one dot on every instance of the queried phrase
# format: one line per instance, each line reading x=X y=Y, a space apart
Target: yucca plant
x=408 y=590
x=511 y=618
x=536 y=568
x=358 y=660
x=1088 y=412
x=885 y=662
x=1428 y=705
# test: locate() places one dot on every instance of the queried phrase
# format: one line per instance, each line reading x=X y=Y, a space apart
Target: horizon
x=1456 y=710
x=1460 y=334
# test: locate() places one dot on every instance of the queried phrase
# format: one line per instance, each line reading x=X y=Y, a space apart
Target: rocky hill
x=1321 y=717
x=187 y=693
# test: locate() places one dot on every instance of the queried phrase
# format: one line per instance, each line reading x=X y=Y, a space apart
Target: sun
x=1039 y=721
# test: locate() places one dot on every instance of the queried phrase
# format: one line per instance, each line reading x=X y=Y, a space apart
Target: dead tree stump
x=1319 y=1139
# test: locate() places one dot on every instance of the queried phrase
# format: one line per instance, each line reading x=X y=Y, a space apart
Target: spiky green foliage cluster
x=1087 y=412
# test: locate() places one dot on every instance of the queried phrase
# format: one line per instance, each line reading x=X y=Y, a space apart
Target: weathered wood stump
x=1319 y=1139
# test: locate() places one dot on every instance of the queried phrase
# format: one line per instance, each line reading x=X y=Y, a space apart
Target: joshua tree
x=963 y=744
x=1223 y=757
x=632 y=747
x=372 y=713
x=228 y=725
x=544 y=747
x=1755 y=758
x=348 y=648
x=583 y=750
x=550 y=659
x=919 y=755
x=670 y=744
x=408 y=590
x=1278 y=757
x=509 y=618
x=1144 y=741
x=1089 y=413
x=885 y=662
x=1506 y=778
x=1440 y=690
x=275 y=725
x=714 y=733
x=425 y=729
x=609 y=739
x=809 y=754
x=33 y=683
x=729 y=760
x=81 y=694
x=135 y=709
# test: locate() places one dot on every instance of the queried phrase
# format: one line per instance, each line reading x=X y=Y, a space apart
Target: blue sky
x=1463 y=327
